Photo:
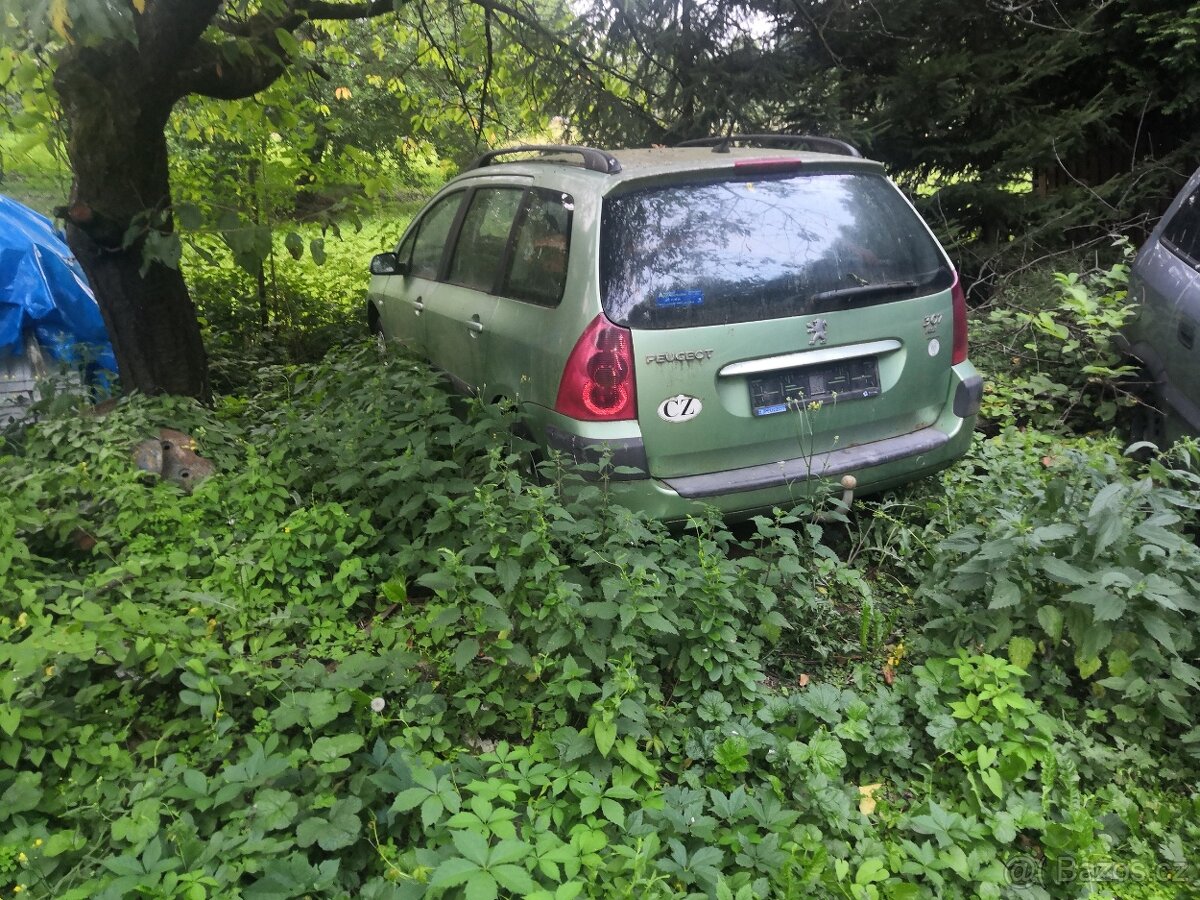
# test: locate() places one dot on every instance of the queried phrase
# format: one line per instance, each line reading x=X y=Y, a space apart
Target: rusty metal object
x=173 y=458
x=148 y=456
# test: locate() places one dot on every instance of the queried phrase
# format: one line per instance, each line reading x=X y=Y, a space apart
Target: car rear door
x=777 y=317
x=522 y=347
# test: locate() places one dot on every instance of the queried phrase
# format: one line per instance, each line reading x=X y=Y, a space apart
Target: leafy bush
x=1089 y=581
x=1047 y=348
x=313 y=294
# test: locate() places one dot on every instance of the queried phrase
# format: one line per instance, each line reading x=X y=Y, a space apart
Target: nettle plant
x=1050 y=352
x=1090 y=582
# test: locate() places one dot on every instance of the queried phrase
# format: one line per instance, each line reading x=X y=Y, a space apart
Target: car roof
x=651 y=163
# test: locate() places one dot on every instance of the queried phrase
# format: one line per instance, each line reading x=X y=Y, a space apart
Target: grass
x=33 y=175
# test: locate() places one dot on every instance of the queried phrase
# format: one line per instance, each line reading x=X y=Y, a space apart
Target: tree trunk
x=120 y=197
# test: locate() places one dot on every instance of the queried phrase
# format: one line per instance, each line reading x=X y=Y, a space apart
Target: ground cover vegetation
x=373 y=657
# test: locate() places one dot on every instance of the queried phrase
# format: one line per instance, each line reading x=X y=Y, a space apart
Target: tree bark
x=121 y=194
x=116 y=94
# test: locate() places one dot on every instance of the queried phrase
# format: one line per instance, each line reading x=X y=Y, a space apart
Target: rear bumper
x=876 y=466
x=819 y=465
x=618 y=453
x=920 y=444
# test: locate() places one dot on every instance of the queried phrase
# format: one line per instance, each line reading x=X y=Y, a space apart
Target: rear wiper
x=864 y=290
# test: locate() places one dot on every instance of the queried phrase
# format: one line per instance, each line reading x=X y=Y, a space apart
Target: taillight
x=959 y=300
x=597 y=381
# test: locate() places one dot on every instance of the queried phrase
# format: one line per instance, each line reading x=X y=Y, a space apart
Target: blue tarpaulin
x=43 y=291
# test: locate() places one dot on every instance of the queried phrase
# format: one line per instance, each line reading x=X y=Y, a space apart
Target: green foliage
x=370 y=658
x=341 y=133
x=1049 y=350
x=1021 y=127
x=1089 y=578
x=312 y=306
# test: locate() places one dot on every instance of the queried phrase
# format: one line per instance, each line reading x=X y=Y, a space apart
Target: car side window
x=538 y=272
x=404 y=251
x=432 y=232
x=1183 y=231
x=479 y=251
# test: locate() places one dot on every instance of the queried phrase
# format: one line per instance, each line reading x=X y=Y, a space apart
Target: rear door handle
x=474 y=325
x=418 y=306
x=1187 y=333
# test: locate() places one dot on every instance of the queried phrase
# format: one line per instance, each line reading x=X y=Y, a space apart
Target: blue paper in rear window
x=680 y=298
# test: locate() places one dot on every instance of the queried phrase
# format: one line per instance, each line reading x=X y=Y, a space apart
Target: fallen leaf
x=804 y=680
x=889 y=675
x=866 y=793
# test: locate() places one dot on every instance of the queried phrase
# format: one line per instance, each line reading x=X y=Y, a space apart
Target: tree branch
x=253 y=59
x=587 y=65
x=487 y=74
x=300 y=11
x=168 y=29
x=232 y=70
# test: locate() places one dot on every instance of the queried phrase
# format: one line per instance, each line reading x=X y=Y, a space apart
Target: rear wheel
x=529 y=455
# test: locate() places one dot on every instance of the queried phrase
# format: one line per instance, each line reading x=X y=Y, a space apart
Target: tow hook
x=849 y=483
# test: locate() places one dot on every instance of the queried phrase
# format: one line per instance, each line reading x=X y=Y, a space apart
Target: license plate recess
x=779 y=391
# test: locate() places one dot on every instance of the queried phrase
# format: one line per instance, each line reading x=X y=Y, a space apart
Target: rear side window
x=1183 y=231
x=741 y=250
x=538 y=272
x=479 y=251
x=432 y=232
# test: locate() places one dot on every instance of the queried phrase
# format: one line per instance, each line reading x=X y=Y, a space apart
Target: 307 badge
x=680 y=408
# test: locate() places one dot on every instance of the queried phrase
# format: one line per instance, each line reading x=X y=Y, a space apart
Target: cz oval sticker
x=679 y=408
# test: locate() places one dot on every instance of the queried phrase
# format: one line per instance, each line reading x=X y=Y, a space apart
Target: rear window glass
x=1183 y=231
x=740 y=250
x=539 y=264
x=479 y=252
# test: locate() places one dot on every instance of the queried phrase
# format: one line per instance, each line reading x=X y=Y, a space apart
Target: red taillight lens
x=769 y=164
x=959 y=299
x=597 y=381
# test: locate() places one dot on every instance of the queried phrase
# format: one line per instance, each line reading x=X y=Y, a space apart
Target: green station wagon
x=734 y=320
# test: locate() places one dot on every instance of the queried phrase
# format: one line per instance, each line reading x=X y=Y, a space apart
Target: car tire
x=530 y=455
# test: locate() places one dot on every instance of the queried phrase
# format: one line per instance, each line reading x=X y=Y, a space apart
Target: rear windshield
x=740 y=250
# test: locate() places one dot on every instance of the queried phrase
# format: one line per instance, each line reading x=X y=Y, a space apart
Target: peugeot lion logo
x=816 y=332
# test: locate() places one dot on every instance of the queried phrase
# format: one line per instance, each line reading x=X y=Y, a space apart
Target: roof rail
x=816 y=143
x=596 y=160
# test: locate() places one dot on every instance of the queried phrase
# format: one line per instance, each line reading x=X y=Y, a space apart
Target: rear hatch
x=776 y=315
